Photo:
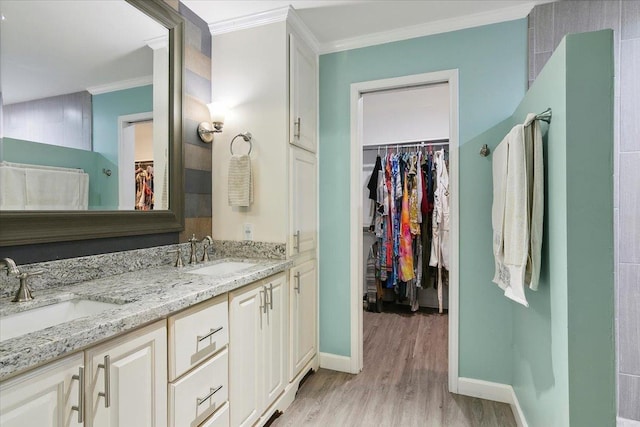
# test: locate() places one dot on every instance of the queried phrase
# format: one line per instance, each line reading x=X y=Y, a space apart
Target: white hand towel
x=240 y=181
x=48 y=189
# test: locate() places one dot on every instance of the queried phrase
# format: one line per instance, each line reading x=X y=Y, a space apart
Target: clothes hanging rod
x=405 y=144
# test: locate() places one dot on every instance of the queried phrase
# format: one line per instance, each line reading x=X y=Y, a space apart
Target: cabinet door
x=302 y=201
x=303 y=95
x=128 y=380
x=303 y=316
x=274 y=338
x=43 y=397
x=245 y=383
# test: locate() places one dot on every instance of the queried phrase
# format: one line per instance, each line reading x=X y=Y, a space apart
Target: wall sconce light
x=217 y=111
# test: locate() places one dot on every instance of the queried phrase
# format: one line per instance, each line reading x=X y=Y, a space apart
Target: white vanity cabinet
x=257 y=349
x=199 y=364
x=50 y=396
x=126 y=379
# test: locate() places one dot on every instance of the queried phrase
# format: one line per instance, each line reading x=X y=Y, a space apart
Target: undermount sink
x=222 y=268
x=24 y=322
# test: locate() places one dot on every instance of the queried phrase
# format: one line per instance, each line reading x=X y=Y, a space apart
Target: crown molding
x=158 y=42
x=303 y=31
x=249 y=21
x=435 y=27
x=121 y=85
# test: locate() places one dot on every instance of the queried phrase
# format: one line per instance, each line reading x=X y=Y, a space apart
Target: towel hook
x=247 y=138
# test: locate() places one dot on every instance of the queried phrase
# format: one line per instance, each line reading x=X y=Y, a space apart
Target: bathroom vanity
x=200 y=345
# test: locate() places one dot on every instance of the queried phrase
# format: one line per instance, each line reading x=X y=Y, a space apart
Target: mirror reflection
x=84 y=89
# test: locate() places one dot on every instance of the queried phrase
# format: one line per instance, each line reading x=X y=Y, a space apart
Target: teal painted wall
x=563 y=365
x=101 y=191
x=590 y=228
x=107 y=107
x=492 y=64
x=539 y=356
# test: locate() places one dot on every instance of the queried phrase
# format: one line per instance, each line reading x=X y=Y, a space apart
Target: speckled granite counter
x=142 y=297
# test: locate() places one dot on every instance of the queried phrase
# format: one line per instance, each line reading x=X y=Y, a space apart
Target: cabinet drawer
x=197 y=333
x=199 y=393
x=219 y=419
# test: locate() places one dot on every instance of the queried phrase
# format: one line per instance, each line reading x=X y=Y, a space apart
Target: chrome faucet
x=10 y=266
x=193 y=258
x=207 y=241
x=24 y=292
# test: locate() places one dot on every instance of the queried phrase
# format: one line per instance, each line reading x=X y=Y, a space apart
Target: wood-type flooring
x=403 y=383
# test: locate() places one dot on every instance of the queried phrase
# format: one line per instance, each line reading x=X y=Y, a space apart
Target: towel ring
x=247 y=138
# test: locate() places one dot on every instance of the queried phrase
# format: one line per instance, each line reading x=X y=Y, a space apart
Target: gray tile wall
x=52 y=120
x=548 y=24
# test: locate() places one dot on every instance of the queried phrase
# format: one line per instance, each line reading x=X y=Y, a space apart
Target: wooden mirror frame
x=30 y=227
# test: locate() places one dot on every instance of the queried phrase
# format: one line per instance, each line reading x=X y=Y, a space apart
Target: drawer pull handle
x=296 y=128
x=270 y=295
x=80 y=407
x=296 y=287
x=107 y=380
x=296 y=244
x=263 y=298
x=211 y=332
x=212 y=391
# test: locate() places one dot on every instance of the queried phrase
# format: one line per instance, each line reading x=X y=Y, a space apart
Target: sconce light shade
x=217 y=111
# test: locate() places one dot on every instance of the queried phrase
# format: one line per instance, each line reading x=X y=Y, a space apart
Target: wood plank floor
x=403 y=383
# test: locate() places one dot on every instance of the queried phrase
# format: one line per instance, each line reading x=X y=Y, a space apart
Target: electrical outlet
x=248 y=231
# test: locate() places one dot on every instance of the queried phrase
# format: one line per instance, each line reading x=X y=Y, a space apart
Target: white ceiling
x=48 y=49
x=335 y=21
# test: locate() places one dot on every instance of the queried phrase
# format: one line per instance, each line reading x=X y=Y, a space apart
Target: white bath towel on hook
x=517 y=211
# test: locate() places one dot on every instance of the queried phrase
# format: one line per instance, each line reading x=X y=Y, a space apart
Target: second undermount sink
x=222 y=268
x=24 y=322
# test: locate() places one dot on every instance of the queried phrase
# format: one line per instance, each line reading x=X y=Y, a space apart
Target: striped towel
x=240 y=181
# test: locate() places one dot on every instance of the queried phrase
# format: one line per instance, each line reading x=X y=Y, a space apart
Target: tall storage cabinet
x=303 y=205
x=276 y=84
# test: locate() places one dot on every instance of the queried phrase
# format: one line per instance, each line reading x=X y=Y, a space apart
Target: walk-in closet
x=406 y=229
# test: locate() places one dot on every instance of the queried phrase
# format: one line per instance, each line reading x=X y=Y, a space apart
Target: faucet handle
x=27 y=274
x=205 y=249
x=178 y=262
x=24 y=292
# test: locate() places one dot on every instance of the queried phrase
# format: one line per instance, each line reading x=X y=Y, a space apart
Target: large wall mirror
x=91 y=119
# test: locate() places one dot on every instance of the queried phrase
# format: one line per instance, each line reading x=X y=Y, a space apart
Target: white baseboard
x=335 y=362
x=493 y=391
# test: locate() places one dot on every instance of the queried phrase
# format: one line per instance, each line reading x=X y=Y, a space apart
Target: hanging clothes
x=411 y=222
x=440 y=226
x=440 y=222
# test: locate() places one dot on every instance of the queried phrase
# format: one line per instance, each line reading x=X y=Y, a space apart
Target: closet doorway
x=391 y=116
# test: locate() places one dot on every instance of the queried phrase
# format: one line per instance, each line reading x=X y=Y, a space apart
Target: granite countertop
x=141 y=297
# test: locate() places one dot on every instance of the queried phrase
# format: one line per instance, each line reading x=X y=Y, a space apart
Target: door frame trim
x=355 y=211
